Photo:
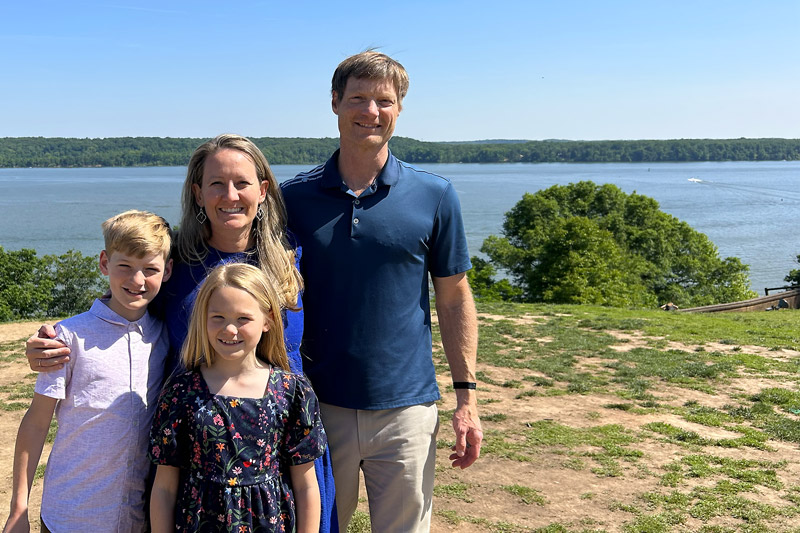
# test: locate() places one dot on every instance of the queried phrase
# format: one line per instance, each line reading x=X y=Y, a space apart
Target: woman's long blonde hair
x=275 y=256
x=197 y=349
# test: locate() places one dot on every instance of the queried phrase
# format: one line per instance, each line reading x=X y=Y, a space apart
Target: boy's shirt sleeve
x=54 y=384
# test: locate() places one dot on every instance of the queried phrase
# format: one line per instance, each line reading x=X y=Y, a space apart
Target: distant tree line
x=18 y=152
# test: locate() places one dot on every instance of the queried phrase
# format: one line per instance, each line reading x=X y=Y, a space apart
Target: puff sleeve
x=305 y=438
x=169 y=442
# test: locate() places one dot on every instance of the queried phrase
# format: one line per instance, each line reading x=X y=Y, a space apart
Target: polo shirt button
x=355 y=221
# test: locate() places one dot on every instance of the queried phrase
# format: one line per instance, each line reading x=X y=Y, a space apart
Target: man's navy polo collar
x=331 y=179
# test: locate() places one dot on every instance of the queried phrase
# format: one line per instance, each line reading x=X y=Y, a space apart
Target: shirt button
x=355 y=221
x=357 y=202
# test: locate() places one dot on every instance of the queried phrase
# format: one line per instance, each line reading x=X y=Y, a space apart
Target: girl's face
x=235 y=323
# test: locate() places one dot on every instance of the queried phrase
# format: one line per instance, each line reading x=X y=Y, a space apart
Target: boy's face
x=134 y=281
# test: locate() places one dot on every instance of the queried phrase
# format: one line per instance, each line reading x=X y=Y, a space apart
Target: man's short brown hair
x=370 y=65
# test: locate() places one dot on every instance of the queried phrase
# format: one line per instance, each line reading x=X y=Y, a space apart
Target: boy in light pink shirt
x=104 y=398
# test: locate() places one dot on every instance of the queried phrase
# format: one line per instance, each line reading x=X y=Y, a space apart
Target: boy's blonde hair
x=271 y=348
x=137 y=233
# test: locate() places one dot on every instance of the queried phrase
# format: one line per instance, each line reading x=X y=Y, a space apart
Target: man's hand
x=44 y=352
x=458 y=324
x=469 y=436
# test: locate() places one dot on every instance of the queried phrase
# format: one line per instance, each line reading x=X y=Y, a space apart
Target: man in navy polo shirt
x=372 y=228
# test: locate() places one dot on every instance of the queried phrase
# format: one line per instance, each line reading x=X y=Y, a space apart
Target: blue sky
x=479 y=70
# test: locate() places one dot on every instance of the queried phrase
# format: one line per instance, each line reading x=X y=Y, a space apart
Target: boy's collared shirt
x=95 y=478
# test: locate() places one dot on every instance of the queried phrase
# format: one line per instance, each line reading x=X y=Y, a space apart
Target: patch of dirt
x=677 y=396
x=524 y=320
x=13 y=331
x=596 y=364
x=746 y=386
x=633 y=340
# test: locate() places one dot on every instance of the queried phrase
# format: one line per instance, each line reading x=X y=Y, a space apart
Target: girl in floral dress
x=235 y=435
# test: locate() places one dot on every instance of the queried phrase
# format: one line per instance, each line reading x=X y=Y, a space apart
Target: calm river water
x=749 y=210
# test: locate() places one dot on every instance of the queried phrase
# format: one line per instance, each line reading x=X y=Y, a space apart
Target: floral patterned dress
x=234 y=453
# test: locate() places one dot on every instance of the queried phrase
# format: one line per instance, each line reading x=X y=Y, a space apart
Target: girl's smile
x=235 y=324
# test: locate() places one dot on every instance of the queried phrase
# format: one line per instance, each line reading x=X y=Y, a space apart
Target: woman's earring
x=201 y=216
x=260 y=214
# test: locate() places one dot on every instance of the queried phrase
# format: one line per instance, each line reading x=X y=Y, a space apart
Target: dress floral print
x=234 y=453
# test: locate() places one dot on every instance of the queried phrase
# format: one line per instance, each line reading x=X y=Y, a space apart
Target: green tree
x=588 y=243
x=33 y=287
x=24 y=291
x=794 y=275
x=76 y=282
x=484 y=287
x=582 y=263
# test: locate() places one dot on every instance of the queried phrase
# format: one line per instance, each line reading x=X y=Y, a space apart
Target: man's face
x=367 y=113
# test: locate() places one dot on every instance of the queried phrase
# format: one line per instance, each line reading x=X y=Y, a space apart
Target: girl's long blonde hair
x=275 y=256
x=197 y=349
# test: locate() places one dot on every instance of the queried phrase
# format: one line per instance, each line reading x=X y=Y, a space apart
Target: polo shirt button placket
x=356 y=220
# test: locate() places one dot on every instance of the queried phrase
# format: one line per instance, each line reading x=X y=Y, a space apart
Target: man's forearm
x=458 y=324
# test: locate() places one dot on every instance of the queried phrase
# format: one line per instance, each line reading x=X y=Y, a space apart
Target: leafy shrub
x=34 y=287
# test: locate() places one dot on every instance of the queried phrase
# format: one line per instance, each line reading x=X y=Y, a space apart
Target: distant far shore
x=58 y=152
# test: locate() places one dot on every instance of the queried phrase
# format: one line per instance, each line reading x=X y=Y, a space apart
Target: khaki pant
x=396 y=451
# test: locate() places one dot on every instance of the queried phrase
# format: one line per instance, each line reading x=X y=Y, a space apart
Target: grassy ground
x=621 y=420
x=601 y=419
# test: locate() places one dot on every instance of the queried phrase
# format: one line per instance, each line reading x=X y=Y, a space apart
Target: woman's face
x=230 y=193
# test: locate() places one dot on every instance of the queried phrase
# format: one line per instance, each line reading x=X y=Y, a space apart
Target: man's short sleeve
x=449 y=254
